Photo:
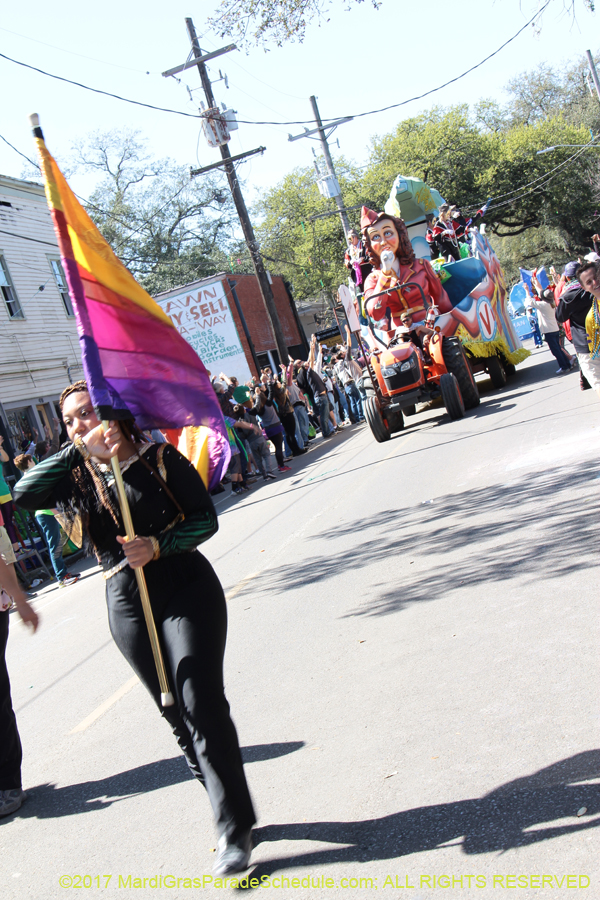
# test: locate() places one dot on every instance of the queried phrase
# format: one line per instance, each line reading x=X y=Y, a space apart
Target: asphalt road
x=412 y=666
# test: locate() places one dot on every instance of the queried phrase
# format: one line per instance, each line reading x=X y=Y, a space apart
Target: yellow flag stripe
x=90 y=249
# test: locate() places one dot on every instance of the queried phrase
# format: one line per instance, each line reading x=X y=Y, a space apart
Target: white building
x=39 y=347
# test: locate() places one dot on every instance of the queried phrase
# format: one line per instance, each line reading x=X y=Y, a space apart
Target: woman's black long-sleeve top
x=153 y=512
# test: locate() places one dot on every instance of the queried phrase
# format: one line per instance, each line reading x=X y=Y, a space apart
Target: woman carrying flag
x=144 y=507
x=172 y=513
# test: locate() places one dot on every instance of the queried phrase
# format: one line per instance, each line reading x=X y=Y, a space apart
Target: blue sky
x=418 y=46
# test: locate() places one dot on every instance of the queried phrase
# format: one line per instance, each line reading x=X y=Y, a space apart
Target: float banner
x=135 y=362
x=202 y=316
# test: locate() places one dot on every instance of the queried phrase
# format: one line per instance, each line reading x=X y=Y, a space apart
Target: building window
x=8 y=292
x=61 y=284
x=20 y=423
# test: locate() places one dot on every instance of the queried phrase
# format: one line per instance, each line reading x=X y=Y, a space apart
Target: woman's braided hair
x=79 y=387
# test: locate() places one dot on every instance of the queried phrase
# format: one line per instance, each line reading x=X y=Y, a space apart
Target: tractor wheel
x=410 y=410
x=457 y=363
x=496 y=371
x=376 y=422
x=451 y=396
x=395 y=420
x=367 y=384
x=510 y=369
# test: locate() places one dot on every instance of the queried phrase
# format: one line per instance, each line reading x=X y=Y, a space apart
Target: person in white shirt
x=348 y=371
x=549 y=327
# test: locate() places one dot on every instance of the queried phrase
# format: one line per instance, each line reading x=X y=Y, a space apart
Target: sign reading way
x=202 y=316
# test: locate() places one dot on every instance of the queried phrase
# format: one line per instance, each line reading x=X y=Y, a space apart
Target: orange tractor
x=403 y=374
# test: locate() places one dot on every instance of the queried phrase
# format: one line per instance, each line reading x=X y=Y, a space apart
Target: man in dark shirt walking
x=574 y=306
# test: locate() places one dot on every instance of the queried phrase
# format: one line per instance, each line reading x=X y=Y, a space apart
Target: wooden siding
x=35 y=350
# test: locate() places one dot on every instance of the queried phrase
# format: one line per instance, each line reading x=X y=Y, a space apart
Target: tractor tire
x=510 y=369
x=367 y=384
x=457 y=363
x=376 y=422
x=410 y=410
x=496 y=371
x=395 y=420
x=451 y=396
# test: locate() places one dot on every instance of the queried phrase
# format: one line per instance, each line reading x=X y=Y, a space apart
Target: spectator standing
x=348 y=371
x=317 y=363
x=285 y=411
x=258 y=446
x=310 y=382
x=535 y=327
x=549 y=326
x=7 y=507
x=298 y=403
x=580 y=304
x=51 y=531
x=11 y=753
x=270 y=421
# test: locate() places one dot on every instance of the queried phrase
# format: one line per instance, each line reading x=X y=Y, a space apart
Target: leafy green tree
x=543 y=210
x=442 y=147
x=166 y=228
x=547 y=92
x=303 y=243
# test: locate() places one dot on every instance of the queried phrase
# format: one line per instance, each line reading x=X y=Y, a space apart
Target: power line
x=102 y=62
x=12 y=147
x=92 y=206
x=535 y=180
x=86 y=87
x=24 y=238
x=372 y=112
x=545 y=179
x=295 y=122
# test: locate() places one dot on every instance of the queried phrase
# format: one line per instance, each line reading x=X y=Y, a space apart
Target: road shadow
x=517 y=814
x=48 y=801
x=502 y=520
x=262 y=752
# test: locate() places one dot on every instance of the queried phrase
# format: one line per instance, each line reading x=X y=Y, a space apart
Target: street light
x=548 y=149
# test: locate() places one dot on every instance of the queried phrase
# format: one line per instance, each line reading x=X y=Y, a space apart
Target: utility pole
x=329 y=163
x=324 y=132
x=593 y=71
x=240 y=205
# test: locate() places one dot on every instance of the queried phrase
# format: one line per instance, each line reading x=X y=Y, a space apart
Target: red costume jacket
x=421 y=272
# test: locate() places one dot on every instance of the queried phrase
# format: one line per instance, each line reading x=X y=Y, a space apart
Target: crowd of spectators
x=568 y=309
x=281 y=413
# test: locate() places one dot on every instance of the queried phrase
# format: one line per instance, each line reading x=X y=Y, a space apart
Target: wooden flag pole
x=166 y=697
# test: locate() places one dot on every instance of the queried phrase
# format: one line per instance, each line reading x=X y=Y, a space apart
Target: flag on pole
x=135 y=362
x=526 y=275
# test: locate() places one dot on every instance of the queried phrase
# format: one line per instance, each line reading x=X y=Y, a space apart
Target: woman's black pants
x=10 y=742
x=277 y=441
x=289 y=424
x=192 y=626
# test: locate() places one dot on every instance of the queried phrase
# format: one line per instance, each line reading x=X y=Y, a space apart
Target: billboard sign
x=202 y=315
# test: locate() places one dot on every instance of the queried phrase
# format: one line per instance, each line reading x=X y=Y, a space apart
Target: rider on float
x=382 y=232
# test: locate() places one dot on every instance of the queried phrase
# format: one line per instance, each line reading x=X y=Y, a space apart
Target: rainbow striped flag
x=135 y=362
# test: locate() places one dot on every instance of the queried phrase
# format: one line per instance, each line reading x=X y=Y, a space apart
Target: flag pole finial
x=34 y=120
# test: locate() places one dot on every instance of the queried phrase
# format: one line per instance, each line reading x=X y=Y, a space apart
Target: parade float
x=463 y=302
